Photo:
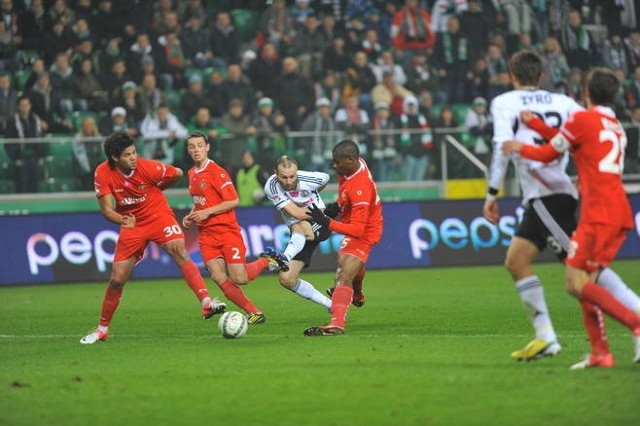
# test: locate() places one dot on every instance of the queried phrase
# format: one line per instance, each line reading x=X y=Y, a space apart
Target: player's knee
x=218 y=277
x=239 y=278
x=116 y=282
x=287 y=280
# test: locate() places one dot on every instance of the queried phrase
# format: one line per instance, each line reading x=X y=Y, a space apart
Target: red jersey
x=597 y=140
x=139 y=192
x=360 y=206
x=210 y=186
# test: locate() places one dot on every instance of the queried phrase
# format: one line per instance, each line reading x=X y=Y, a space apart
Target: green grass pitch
x=430 y=347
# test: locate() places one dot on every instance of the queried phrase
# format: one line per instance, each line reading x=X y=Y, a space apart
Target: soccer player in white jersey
x=291 y=191
x=549 y=198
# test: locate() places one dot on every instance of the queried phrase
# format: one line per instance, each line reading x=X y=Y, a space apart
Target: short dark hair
x=197 y=134
x=346 y=148
x=526 y=66
x=115 y=144
x=603 y=86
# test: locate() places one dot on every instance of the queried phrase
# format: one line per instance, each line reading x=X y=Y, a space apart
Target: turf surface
x=430 y=347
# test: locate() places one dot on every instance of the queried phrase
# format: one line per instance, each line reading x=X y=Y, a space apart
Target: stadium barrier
x=78 y=247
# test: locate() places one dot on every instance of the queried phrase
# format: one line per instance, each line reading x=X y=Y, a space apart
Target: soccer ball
x=233 y=324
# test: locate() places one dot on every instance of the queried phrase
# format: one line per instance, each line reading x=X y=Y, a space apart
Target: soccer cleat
x=591 y=360
x=274 y=257
x=357 y=301
x=256 y=318
x=329 y=330
x=215 y=307
x=537 y=348
x=95 y=336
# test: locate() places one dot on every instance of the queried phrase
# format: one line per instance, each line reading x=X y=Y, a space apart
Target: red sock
x=234 y=293
x=358 y=281
x=109 y=304
x=256 y=267
x=609 y=305
x=340 y=302
x=194 y=280
x=594 y=323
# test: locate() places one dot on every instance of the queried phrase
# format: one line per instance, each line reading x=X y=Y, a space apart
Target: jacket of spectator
x=411 y=28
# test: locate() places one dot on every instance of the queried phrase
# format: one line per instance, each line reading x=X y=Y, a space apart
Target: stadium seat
x=460 y=111
x=57 y=185
x=20 y=78
x=59 y=167
x=62 y=150
x=6 y=169
x=7 y=186
x=245 y=22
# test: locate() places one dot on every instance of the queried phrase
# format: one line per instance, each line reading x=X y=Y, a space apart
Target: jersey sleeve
x=503 y=122
x=275 y=193
x=101 y=181
x=158 y=172
x=360 y=199
x=224 y=185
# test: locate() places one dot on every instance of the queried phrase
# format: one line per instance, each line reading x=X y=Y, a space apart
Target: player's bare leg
x=229 y=287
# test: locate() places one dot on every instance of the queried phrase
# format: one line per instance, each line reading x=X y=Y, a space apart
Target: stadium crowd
x=249 y=73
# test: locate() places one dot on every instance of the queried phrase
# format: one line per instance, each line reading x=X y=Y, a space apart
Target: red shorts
x=356 y=247
x=133 y=241
x=594 y=245
x=229 y=245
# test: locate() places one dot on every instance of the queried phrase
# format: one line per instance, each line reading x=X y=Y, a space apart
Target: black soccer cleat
x=329 y=330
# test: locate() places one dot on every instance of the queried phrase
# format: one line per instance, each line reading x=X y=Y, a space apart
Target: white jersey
x=305 y=194
x=536 y=179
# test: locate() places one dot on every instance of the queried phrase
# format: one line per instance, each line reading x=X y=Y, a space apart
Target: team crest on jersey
x=142 y=187
x=222 y=175
x=203 y=185
x=359 y=192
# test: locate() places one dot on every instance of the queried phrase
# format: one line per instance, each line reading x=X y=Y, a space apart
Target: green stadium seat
x=20 y=78
x=6 y=169
x=59 y=167
x=245 y=22
x=61 y=150
x=460 y=112
x=7 y=186
x=57 y=185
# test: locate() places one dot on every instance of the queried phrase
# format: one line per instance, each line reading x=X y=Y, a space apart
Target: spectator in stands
x=150 y=95
x=556 y=69
x=276 y=25
x=632 y=89
x=194 y=98
x=107 y=25
x=36 y=68
x=61 y=12
x=479 y=83
x=307 y=47
x=632 y=154
x=113 y=81
x=250 y=180
x=359 y=81
x=415 y=140
x=132 y=99
x=27 y=158
x=162 y=132
x=119 y=122
x=517 y=14
x=293 y=93
x=335 y=58
x=391 y=93
x=81 y=31
x=614 y=53
x=108 y=55
x=84 y=10
x=632 y=43
x=194 y=8
x=264 y=70
x=371 y=46
x=236 y=86
x=445 y=9
x=496 y=62
x=86 y=86
x=8 y=49
x=170 y=23
x=574 y=86
x=451 y=58
x=224 y=40
x=478 y=123
x=62 y=81
x=446 y=120
x=45 y=101
x=173 y=57
x=142 y=49
x=577 y=43
x=8 y=99
x=33 y=23
x=213 y=95
x=196 y=42
x=328 y=30
x=411 y=31
x=87 y=153
x=84 y=50
x=58 y=39
x=238 y=125
x=316 y=151
x=202 y=122
x=476 y=27
x=384 y=154
x=300 y=12
x=386 y=64
x=328 y=88
x=354 y=122
x=271 y=131
x=500 y=85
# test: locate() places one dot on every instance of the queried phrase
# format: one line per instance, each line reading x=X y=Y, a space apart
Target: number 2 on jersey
x=613 y=162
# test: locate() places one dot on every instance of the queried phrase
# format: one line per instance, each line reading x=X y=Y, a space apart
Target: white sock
x=306 y=290
x=295 y=245
x=532 y=295
x=608 y=279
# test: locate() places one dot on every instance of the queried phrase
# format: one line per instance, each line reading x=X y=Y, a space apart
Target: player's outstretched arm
x=536 y=123
x=544 y=153
x=107 y=203
x=170 y=181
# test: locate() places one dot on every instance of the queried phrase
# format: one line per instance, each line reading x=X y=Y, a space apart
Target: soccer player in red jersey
x=361 y=224
x=597 y=141
x=221 y=243
x=129 y=190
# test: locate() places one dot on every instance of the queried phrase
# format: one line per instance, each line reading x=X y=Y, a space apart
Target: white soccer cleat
x=591 y=361
x=216 y=306
x=95 y=336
